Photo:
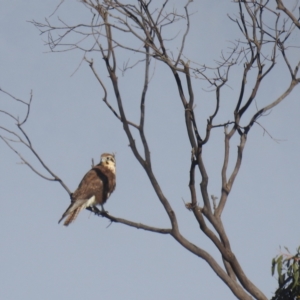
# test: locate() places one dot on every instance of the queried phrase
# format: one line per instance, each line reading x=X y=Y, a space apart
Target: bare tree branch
x=129 y=223
x=282 y=7
x=27 y=142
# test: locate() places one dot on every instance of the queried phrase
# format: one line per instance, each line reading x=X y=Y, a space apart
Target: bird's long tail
x=72 y=216
x=74 y=209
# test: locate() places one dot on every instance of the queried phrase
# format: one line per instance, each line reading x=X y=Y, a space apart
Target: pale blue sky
x=69 y=125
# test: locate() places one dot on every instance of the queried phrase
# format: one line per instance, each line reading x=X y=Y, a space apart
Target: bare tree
x=264 y=41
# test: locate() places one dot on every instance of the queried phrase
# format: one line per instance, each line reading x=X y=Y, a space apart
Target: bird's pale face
x=109 y=162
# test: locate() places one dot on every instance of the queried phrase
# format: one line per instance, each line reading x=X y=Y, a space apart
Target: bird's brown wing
x=90 y=185
x=99 y=182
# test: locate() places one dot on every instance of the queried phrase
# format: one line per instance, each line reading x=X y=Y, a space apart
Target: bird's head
x=109 y=161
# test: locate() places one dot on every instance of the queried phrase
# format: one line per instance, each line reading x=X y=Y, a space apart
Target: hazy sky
x=69 y=125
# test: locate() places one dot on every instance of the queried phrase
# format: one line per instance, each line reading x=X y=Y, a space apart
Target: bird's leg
x=94 y=210
x=97 y=211
x=103 y=211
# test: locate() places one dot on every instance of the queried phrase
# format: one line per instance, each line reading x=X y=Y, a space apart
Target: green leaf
x=273 y=266
x=295 y=267
x=279 y=270
x=296 y=274
x=296 y=278
x=279 y=265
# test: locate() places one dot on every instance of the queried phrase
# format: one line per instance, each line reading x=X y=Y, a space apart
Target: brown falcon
x=94 y=188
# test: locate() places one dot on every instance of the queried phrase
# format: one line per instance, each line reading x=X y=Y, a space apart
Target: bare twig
x=27 y=142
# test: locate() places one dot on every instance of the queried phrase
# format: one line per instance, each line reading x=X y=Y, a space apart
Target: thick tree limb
x=282 y=7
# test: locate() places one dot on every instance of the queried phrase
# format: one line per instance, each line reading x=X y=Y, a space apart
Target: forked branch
x=21 y=137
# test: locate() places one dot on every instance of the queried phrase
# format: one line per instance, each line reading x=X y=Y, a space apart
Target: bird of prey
x=94 y=188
